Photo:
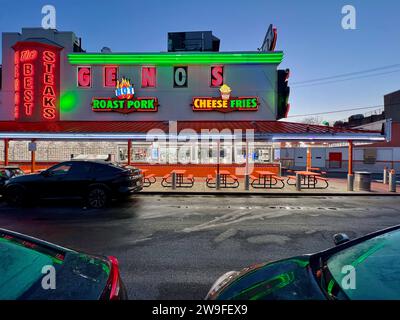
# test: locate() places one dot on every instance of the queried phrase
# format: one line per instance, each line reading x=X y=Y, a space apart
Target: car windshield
x=376 y=273
x=20 y=268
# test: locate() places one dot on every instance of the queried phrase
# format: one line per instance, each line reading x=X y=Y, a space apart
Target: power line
x=336 y=111
x=347 y=74
x=343 y=80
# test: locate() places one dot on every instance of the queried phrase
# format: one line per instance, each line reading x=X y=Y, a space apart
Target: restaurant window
x=335 y=160
x=370 y=156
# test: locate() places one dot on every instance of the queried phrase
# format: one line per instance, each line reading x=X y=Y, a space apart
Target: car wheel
x=97 y=197
x=15 y=196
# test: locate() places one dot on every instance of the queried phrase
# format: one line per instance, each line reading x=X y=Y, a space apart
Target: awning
x=275 y=131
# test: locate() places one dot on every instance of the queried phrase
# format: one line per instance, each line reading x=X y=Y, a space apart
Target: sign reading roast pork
x=125 y=101
x=225 y=103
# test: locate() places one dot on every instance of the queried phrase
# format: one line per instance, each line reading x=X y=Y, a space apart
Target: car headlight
x=221 y=281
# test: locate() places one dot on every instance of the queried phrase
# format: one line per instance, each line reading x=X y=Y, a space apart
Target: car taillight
x=113 y=280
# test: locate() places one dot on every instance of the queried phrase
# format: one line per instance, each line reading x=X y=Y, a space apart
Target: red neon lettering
x=217 y=77
x=16 y=100
x=28 y=95
x=84 y=77
x=28 y=108
x=49 y=92
x=48 y=78
x=110 y=76
x=49 y=102
x=48 y=67
x=49 y=113
x=16 y=85
x=148 y=77
x=28 y=83
x=27 y=69
x=49 y=56
x=28 y=55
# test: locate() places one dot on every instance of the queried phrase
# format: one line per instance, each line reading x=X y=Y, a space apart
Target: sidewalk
x=337 y=186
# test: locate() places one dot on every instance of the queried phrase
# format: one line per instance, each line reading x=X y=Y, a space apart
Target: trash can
x=362 y=181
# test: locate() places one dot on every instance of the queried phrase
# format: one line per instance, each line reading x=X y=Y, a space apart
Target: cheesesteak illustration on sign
x=124 y=101
x=225 y=103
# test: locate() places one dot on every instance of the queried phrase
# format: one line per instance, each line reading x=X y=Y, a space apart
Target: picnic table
x=180 y=181
x=267 y=179
x=148 y=179
x=226 y=180
x=309 y=180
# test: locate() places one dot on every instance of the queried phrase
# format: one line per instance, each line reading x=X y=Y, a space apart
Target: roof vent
x=105 y=50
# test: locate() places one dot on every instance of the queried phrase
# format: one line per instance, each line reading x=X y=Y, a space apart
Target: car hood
x=289 y=279
x=79 y=277
x=26 y=178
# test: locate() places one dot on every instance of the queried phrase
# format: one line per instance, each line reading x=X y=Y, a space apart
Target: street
x=174 y=247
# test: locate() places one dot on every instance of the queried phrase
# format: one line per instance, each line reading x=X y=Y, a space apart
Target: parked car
x=97 y=182
x=367 y=268
x=8 y=172
x=32 y=269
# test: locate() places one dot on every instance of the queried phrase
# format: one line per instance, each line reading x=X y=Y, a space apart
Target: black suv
x=97 y=182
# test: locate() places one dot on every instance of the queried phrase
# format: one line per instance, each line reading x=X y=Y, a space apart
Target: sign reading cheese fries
x=225 y=103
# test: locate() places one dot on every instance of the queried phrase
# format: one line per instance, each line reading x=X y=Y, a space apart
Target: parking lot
x=174 y=247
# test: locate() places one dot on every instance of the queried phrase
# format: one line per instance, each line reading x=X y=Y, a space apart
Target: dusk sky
x=309 y=32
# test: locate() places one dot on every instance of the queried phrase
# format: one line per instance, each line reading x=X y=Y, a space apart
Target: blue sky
x=309 y=33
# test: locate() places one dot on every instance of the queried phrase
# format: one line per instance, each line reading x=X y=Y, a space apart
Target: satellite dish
x=105 y=50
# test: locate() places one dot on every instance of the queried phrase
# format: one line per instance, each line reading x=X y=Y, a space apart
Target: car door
x=78 y=179
x=52 y=184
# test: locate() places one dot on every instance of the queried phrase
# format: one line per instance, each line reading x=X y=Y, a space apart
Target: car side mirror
x=46 y=173
x=340 y=238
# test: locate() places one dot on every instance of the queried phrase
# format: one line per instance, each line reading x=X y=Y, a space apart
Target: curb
x=269 y=195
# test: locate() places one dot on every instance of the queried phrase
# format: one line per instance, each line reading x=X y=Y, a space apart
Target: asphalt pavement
x=174 y=247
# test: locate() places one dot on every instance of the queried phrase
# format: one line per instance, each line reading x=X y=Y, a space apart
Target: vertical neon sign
x=36 y=81
x=17 y=85
x=49 y=90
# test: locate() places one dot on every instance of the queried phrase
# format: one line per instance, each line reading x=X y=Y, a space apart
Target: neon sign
x=110 y=76
x=125 y=101
x=84 y=75
x=225 y=103
x=49 y=90
x=36 y=81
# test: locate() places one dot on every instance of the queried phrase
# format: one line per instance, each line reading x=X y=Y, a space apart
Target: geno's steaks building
x=56 y=100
